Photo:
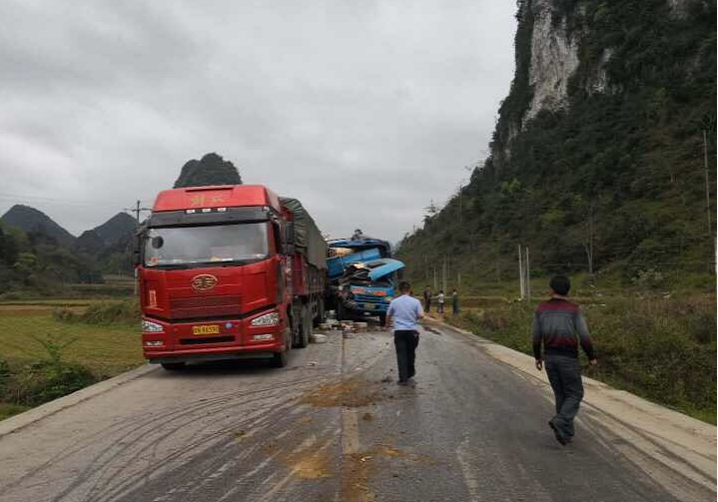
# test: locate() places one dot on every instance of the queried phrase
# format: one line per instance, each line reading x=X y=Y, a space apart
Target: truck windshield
x=190 y=246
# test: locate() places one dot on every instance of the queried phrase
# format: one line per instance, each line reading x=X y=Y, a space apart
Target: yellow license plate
x=207 y=329
x=369 y=307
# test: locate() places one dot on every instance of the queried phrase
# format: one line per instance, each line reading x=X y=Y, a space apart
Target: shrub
x=110 y=312
x=43 y=381
x=4 y=375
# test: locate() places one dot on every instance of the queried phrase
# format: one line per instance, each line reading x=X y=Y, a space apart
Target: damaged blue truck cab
x=362 y=277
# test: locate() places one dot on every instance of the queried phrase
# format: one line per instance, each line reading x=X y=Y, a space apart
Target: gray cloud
x=365 y=111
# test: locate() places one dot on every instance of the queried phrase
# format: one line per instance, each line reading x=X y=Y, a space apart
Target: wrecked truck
x=362 y=277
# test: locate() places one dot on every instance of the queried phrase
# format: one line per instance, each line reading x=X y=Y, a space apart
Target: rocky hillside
x=212 y=169
x=597 y=160
x=33 y=221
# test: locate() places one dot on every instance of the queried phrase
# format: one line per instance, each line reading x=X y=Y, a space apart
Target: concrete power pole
x=521 y=273
x=443 y=275
x=528 y=276
x=708 y=196
x=137 y=210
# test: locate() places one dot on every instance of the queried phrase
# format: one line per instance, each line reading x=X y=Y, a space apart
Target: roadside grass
x=105 y=349
x=45 y=357
x=660 y=348
x=8 y=410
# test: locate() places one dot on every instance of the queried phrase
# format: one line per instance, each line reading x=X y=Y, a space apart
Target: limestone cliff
x=551 y=37
x=597 y=159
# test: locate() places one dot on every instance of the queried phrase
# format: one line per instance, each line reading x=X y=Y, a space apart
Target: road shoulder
x=684 y=446
x=17 y=422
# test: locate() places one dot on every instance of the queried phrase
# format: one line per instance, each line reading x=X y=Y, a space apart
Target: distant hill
x=89 y=242
x=116 y=229
x=31 y=220
x=212 y=169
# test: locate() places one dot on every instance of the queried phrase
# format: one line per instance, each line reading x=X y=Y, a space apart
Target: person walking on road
x=560 y=327
x=455 y=302
x=427 y=299
x=440 y=299
x=405 y=312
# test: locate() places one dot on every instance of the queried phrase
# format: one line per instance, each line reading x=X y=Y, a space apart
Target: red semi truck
x=228 y=272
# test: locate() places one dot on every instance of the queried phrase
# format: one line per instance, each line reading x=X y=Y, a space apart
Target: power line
x=78 y=202
x=137 y=210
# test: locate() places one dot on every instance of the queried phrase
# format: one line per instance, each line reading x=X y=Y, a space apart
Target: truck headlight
x=271 y=319
x=151 y=327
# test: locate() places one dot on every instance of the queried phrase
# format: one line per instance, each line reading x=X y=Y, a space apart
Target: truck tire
x=382 y=320
x=306 y=328
x=341 y=311
x=295 y=324
x=321 y=313
x=173 y=366
x=280 y=359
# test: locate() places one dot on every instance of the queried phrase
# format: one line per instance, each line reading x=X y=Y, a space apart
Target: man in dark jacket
x=427 y=299
x=560 y=327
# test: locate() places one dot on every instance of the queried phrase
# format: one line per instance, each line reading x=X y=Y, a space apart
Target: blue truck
x=362 y=277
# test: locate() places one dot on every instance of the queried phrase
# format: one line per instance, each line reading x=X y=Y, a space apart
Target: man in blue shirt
x=405 y=313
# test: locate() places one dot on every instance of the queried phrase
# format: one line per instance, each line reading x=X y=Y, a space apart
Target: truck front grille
x=205 y=306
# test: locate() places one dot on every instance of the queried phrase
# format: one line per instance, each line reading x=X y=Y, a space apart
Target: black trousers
x=406 y=342
x=564 y=374
x=427 y=305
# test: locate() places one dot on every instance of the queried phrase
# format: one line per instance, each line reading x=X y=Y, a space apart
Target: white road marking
x=469 y=472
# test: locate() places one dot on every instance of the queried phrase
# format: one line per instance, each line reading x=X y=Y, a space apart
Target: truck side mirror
x=137 y=241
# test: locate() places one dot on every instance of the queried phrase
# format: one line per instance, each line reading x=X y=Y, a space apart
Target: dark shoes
x=403 y=383
x=560 y=437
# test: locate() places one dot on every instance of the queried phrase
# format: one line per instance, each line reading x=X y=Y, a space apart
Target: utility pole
x=137 y=210
x=460 y=204
x=528 y=276
x=443 y=275
x=708 y=195
x=521 y=272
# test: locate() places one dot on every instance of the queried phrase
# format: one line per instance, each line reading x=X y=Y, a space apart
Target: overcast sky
x=365 y=111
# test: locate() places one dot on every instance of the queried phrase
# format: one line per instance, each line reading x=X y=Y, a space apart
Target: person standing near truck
x=455 y=302
x=427 y=299
x=560 y=327
x=404 y=312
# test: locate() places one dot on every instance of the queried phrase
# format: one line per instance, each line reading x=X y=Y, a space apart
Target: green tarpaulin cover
x=307 y=237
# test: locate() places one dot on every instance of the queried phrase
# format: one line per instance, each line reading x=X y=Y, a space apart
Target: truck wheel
x=173 y=366
x=295 y=332
x=321 y=314
x=382 y=320
x=280 y=359
x=341 y=311
x=306 y=328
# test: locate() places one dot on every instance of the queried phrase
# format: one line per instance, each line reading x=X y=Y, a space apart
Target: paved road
x=331 y=427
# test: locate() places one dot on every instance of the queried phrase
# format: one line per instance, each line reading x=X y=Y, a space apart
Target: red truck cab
x=220 y=277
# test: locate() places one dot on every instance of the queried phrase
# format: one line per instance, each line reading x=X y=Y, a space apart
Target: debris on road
x=317 y=338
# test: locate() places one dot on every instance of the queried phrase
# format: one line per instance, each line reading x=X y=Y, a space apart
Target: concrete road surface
x=333 y=426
